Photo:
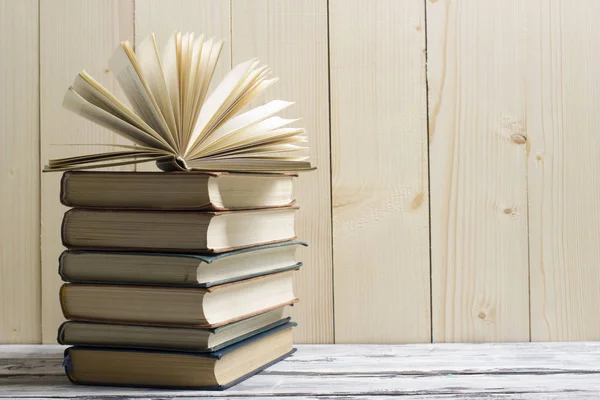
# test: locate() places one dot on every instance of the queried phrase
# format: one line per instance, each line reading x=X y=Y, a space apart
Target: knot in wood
x=518 y=138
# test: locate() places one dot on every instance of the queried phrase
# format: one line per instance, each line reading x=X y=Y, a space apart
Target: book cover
x=151 y=180
x=205 y=258
x=61 y=339
x=206 y=325
x=68 y=365
x=208 y=250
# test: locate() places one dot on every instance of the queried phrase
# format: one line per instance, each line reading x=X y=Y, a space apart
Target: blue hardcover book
x=172 y=269
x=217 y=370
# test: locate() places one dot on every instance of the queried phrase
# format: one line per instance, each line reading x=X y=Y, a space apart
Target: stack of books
x=179 y=278
x=176 y=279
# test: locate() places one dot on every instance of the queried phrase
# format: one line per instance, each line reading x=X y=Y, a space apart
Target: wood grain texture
x=163 y=17
x=208 y=17
x=438 y=371
x=291 y=37
x=479 y=250
x=461 y=396
x=410 y=359
x=379 y=162
x=563 y=84
x=73 y=36
x=265 y=385
x=513 y=150
x=20 y=307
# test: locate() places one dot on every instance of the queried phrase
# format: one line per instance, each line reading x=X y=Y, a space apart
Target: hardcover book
x=186 y=370
x=206 y=270
x=203 y=340
x=177 y=306
x=176 y=190
x=176 y=231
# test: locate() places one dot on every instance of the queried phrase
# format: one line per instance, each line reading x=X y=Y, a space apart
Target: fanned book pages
x=175 y=122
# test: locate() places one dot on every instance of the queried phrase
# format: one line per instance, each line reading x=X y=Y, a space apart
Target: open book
x=174 y=122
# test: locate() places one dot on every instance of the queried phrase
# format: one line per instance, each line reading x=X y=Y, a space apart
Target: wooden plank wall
x=563 y=83
x=379 y=167
x=209 y=17
x=291 y=37
x=478 y=169
x=457 y=192
x=73 y=36
x=20 y=289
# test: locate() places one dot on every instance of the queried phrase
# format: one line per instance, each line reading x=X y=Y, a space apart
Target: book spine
x=60 y=265
x=60 y=337
x=172 y=164
x=63 y=229
x=68 y=365
x=61 y=297
x=63 y=189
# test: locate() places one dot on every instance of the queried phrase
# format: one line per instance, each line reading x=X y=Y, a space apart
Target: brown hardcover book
x=177 y=306
x=176 y=231
x=217 y=370
x=176 y=190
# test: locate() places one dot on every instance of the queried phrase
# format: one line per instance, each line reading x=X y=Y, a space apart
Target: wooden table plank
x=436 y=371
x=364 y=359
x=512 y=396
x=267 y=385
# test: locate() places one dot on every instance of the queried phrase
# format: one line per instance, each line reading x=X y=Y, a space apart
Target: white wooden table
x=429 y=371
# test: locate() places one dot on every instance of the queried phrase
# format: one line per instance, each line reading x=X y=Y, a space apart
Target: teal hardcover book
x=172 y=269
x=201 y=340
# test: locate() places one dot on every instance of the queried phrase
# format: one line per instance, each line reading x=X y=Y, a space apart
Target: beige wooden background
x=458 y=145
